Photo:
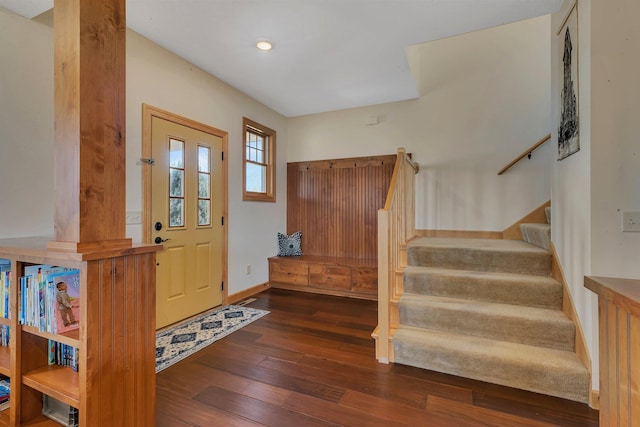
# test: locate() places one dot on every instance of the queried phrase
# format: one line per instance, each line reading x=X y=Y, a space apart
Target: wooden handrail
x=394 y=179
x=414 y=165
x=526 y=153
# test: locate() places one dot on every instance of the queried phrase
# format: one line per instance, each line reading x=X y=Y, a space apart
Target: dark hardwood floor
x=311 y=362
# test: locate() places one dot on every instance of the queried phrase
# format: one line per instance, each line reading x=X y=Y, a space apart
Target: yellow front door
x=186 y=216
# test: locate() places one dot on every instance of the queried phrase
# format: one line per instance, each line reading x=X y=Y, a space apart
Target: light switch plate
x=134 y=217
x=631 y=221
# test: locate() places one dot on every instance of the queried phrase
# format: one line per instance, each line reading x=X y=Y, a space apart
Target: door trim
x=148 y=113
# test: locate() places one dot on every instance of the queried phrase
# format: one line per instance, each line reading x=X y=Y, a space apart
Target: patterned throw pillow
x=289 y=245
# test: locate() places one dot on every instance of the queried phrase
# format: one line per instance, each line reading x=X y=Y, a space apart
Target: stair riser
x=559 y=335
x=547 y=214
x=538 y=264
x=526 y=293
x=546 y=380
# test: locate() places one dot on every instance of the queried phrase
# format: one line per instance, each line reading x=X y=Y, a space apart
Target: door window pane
x=204 y=212
x=176 y=183
x=176 y=153
x=204 y=185
x=204 y=158
x=176 y=212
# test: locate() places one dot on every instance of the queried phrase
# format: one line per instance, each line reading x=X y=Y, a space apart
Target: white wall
x=571 y=187
x=485 y=100
x=156 y=77
x=615 y=130
x=615 y=136
x=592 y=187
x=26 y=127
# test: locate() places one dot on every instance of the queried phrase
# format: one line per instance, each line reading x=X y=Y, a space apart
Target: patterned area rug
x=173 y=345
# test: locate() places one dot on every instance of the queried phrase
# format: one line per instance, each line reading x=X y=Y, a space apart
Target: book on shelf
x=5 y=393
x=5 y=331
x=50 y=298
x=31 y=298
x=62 y=311
x=5 y=286
x=63 y=355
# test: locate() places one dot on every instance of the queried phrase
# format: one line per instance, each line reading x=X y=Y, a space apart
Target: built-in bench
x=334 y=204
x=327 y=275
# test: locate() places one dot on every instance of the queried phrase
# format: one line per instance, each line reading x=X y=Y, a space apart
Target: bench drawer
x=329 y=276
x=365 y=280
x=294 y=273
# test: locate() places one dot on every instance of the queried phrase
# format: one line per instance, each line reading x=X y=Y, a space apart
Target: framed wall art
x=568 y=120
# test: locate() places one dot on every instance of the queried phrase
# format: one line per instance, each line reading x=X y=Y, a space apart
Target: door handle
x=159 y=240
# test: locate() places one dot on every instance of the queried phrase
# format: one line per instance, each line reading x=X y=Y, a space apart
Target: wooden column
x=89 y=150
x=116 y=379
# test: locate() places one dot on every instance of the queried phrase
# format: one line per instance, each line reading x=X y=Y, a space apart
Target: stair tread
x=508 y=288
x=489 y=308
x=542 y=370
x=512 y=256
x=497 y=349
x=517 y=246
x=526 y=325
x=488 y=275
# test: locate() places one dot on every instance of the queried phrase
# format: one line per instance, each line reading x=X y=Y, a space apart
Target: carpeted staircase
x=489 y=310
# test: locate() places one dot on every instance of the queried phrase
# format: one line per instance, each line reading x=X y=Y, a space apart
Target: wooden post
x=89 y=149
x=117 y=330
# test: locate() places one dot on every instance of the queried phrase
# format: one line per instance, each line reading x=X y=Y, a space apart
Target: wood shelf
x=41 y=421
x=71 y=338
x=59 y=382
x=5 y=321
x=119 y=381
x=4 y=418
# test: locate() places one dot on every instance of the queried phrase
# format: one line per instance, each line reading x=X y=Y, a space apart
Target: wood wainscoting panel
x=334 y=203
x=619 y=330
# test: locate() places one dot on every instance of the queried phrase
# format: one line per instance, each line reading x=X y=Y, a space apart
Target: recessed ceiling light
x=264 y=45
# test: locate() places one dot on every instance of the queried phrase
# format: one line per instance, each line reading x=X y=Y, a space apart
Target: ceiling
x=328 y=54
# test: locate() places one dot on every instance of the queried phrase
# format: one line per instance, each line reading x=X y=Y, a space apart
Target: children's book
x=63 y=355
x=32 y=294
x=5 y=331
x=5 y=286
x=62 y=307
x=5 y=393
